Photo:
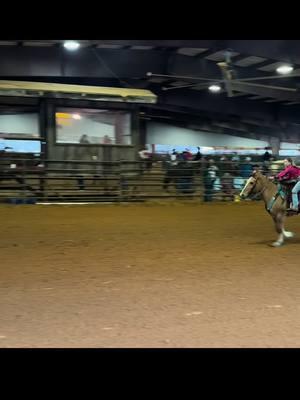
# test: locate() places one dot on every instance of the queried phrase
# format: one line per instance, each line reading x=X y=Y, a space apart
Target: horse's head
x=252 y=185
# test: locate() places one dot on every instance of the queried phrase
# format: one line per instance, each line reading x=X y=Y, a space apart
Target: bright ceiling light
x=284 y=69
x=214 y=88
x=76 y=116
x=71 y=45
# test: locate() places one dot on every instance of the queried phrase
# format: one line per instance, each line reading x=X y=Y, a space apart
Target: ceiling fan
x=228 y=80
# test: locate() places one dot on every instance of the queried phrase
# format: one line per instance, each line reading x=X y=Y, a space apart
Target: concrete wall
x=157 y=133
x=290 y=150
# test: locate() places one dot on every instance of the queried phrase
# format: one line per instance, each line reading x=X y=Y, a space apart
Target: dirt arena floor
x=164 y=276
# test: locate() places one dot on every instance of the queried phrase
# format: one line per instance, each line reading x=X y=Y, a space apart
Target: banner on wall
x=20 y=146
x=286 y=149
x=213 y=150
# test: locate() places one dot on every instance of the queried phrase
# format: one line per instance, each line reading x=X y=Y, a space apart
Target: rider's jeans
x=295 y=191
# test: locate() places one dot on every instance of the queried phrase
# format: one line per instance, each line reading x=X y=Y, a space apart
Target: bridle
x=256 y=194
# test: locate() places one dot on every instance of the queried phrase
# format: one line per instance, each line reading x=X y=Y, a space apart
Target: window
x=87 y=126
x=19 y=130
x=19 y=123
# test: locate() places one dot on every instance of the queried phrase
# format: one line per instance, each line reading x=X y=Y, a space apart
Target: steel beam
x=86 y=62
x=109 y=63
x=281 y=50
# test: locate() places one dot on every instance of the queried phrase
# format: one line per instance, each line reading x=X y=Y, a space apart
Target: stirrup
x=293 y=209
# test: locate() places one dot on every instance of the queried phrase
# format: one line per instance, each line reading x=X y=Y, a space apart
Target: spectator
x=80 y=182
x=185 y=177
x=227 y=185
x=84 y=139
x=197 y=161
x=234 y=165
x=210 y=176
x=204 y=163
x=170 y=175
x=187 y=155
x=266 y=161
x=180 y=157
x=173 y=157
x=236 y=157
x=255 y=167
x=198 y=155
x=246 y=168
x=266 y=156
x=212 y=165
x=165 y=162
x=227 y=165
x=224 y=165
x=107 y=140
x=238 y=183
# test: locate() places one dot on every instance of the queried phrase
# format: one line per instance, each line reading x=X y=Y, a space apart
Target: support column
x=119 y=127
x=275 y=145
x=135 y=131
x=143 y=136
x=49 y=115
x=43 y=128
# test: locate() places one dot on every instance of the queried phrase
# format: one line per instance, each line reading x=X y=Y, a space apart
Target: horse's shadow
x=264 y=242
x=291 y=241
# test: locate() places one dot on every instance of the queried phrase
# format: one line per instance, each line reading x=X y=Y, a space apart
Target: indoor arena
x=153 y=204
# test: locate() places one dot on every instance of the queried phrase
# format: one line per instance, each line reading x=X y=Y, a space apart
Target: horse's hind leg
x=278 y=220
x=287 y=234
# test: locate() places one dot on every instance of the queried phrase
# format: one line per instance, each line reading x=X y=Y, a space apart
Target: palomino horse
x=275 y=203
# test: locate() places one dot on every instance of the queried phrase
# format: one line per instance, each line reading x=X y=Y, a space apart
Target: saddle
x=287 y=187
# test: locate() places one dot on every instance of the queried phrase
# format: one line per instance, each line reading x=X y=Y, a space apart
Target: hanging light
x=214 y=88
x=71 y=45
x=284 y=69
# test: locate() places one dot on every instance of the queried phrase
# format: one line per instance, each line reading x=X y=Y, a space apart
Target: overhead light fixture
x=284 y=69
x=214 y=88
x=71 y=45
x=76 y=116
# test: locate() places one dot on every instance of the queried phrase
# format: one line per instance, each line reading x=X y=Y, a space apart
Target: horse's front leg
x=278 y=220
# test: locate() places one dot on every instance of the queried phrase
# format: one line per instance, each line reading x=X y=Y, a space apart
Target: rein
x=271 y=202
x=280 y=192
x=256 y=195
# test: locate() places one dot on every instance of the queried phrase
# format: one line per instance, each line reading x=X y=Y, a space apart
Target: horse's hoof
x=276 y=244
x=288 y=234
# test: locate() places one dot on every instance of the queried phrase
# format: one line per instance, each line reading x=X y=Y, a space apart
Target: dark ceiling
x=253 y=111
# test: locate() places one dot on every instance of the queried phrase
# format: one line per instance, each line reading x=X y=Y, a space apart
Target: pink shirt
x=290 y=172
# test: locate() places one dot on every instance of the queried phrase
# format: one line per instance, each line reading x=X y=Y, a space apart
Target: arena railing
x=28 y=181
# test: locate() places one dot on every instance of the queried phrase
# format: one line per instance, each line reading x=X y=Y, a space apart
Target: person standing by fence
x=146 y=157
x=171 y=174
x=227 y=186
x=210 y=176
x=246 y=168
x=198 y=155
x=185 y=177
